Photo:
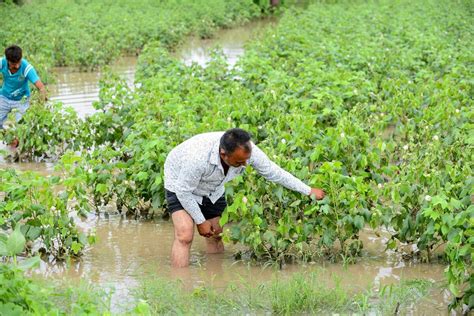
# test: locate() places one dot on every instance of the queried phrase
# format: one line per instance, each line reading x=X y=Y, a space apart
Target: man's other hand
x=317 y=193
x=205 y=229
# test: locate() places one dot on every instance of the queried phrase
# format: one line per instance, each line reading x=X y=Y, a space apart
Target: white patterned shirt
x=193 y=170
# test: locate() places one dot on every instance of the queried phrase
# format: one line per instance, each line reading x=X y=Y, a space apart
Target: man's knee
x=183 y=227
x=184 y=236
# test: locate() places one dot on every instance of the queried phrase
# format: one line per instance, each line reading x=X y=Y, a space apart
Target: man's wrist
x=199 y=220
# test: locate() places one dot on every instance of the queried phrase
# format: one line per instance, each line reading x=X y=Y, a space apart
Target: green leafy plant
x=30 y=204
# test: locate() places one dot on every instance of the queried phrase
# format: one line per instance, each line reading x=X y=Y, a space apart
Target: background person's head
x=13 y=55
x=235 y=147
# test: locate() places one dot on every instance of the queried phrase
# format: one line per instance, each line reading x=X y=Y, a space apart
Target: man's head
x=235 y=147
x=13 y=54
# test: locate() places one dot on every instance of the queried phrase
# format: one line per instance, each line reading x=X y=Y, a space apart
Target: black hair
x=13 y=53
x=234 y=138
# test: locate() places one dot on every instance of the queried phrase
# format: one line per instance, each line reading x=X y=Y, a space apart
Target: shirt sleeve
x=30 y=74
x=188 y=180
x=272 y=172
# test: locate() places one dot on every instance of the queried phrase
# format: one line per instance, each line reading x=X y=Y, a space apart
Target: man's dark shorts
x=208 y=209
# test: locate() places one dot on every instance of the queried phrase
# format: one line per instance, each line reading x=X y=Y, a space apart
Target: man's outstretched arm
x=272 y=172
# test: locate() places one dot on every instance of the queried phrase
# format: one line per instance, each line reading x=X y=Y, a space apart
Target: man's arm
x=38 y=84
x=32 y=76
x=272 y=172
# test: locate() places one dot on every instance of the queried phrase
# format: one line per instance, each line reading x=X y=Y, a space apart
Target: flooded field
x=79 y=89
x=129 y=251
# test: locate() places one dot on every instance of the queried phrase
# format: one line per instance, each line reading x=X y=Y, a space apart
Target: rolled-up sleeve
x=188 y=180
x=272 y=172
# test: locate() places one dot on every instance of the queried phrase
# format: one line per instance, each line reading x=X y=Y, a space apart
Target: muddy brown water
x=128 y=250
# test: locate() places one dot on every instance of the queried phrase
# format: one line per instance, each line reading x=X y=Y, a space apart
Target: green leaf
x=359 y=221
x=3 y=248
x=224 y=218
x=76 y=247
x=325 y=208
x=269 y=236
x=453 y=236
x=29 y=263
x=142 y=175
x=295 y=203
x=257 y=220
x=439 y=200
x=454 y=289
x=101 y=188
x=310 y=210
x=464 y=250
x=391 y=244
x=15 y=242
x=33 y=232
x=279 y=192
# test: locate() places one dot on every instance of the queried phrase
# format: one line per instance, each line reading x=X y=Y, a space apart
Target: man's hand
x=317 y=193
x=42 y=90
x=205 y=229
x=216 y=228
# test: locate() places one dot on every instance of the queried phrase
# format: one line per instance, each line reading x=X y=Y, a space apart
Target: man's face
x=14 y=66
x=236 y=159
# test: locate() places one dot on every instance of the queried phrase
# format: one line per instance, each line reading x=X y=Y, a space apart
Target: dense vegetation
x=88 y=34
x=372 y=102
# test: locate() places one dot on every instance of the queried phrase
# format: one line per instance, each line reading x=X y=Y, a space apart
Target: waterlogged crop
x=32 y=207
x=48 y=131
x=94 y=33
x=371 y=102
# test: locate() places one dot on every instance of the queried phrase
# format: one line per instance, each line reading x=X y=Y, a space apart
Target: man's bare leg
x=183 y=238
x=214 y=244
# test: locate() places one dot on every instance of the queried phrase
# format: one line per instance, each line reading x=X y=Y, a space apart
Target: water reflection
x=231 y=41
x=81 y=89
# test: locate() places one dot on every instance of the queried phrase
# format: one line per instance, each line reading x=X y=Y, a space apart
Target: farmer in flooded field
x=15 y=92
x=195 y=174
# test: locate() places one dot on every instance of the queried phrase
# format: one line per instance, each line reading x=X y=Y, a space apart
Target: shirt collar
x=215 y=157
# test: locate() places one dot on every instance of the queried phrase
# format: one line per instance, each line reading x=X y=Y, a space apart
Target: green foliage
x=45 y=132
x=13 y=244
x=300 y=293
x=93 y=33
x=323 y=104
x=20 y=295
x=370 y=101
x=30 y=204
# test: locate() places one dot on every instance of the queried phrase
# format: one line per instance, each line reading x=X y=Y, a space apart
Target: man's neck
x=224 y=166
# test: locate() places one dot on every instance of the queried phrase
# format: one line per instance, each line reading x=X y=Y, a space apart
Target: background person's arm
x=42 y=89
x=32 y=76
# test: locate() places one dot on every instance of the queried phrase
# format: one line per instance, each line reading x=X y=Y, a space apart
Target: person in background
x=15 y=91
